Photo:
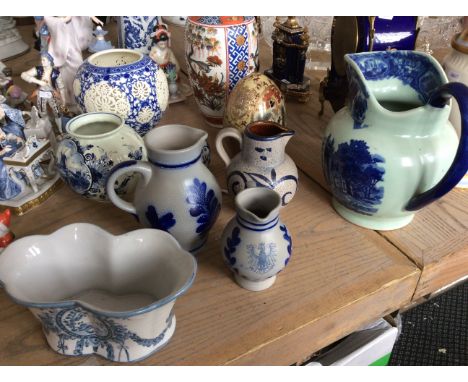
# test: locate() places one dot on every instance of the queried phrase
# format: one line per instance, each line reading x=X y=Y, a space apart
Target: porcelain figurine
x=220 y=51
x=117 y=303
x=39 y=127
x=6 y=236
x=254 y=98
x=393 y=150
x=100 y=43
x=162 y=54
x=456 y=68
x=135 y=32
x=27 y=176
x=176 y=193
x=124 y=82
x=93 y=144
x=256 y=245
x=51 y=88
x=262 y=161
x=70 y=35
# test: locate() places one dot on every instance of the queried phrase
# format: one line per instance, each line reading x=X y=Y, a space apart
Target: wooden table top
x=340 y=276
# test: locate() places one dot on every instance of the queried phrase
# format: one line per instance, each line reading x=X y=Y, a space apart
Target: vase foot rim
x=255 y=286
x=371 y=222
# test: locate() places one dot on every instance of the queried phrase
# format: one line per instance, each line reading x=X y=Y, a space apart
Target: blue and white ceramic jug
x=176 y=193
x=392 y=150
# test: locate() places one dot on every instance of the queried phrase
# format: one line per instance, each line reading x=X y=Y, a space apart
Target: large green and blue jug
x=392 y=150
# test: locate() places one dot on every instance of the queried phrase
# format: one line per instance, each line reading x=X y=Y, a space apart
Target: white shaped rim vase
x=96 y=293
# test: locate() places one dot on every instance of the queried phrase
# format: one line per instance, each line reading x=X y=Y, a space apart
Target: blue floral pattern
x=164 y=222
x=86 y=168
x=353 y=174
x=286 y=237
x=259 y=180
x=135 y=32
x=136 y=85
x=78 y=328
x=72 y=166
x=230 y=247
x=204 y=205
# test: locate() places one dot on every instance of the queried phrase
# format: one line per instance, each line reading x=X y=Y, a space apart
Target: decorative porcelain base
x=53 y=340
x=23 y=203
x=255 y=286
x=371 y=222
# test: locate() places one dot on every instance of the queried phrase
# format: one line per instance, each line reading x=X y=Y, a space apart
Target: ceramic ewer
x=254 y=98
x=92 y=145
x=393 y=151
x=219 y=50
x=101 y=294
x=124 y=82
x=262 y=162
x=134 y=32
x=256 y=245
x=176 y=193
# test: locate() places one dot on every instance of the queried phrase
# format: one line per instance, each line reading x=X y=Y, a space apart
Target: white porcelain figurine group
x=119 y=292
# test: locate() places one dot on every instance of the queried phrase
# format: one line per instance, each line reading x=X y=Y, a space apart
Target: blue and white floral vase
x=93 y=144
x=134 y=32
x=262 y=162
x=255 y=244
x=392 y=150
x=124 y=82
x=176 y=193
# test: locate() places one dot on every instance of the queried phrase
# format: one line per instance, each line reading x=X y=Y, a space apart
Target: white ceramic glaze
x=176 y=193
x=256 y=245
x=94 y=143
x=262 y=162
x=96 y=293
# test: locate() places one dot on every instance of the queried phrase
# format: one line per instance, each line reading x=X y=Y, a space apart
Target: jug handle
x=459 y=166
x=224 y=133
x=143 y=168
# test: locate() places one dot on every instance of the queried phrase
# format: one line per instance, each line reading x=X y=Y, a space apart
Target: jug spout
x=172 y=146
x=268 y=140
x=258 y=207
x=383 y=85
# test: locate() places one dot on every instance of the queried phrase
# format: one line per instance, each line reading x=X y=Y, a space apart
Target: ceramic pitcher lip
x=24 y=245
x=92 y=59
x=175 y=144
x=252 y=202
x=267 y=131
x=86 y=118
x=435 y=76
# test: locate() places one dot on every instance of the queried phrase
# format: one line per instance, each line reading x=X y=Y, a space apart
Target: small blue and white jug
x=392 y=150
x=176 y=193
x=256 y=245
